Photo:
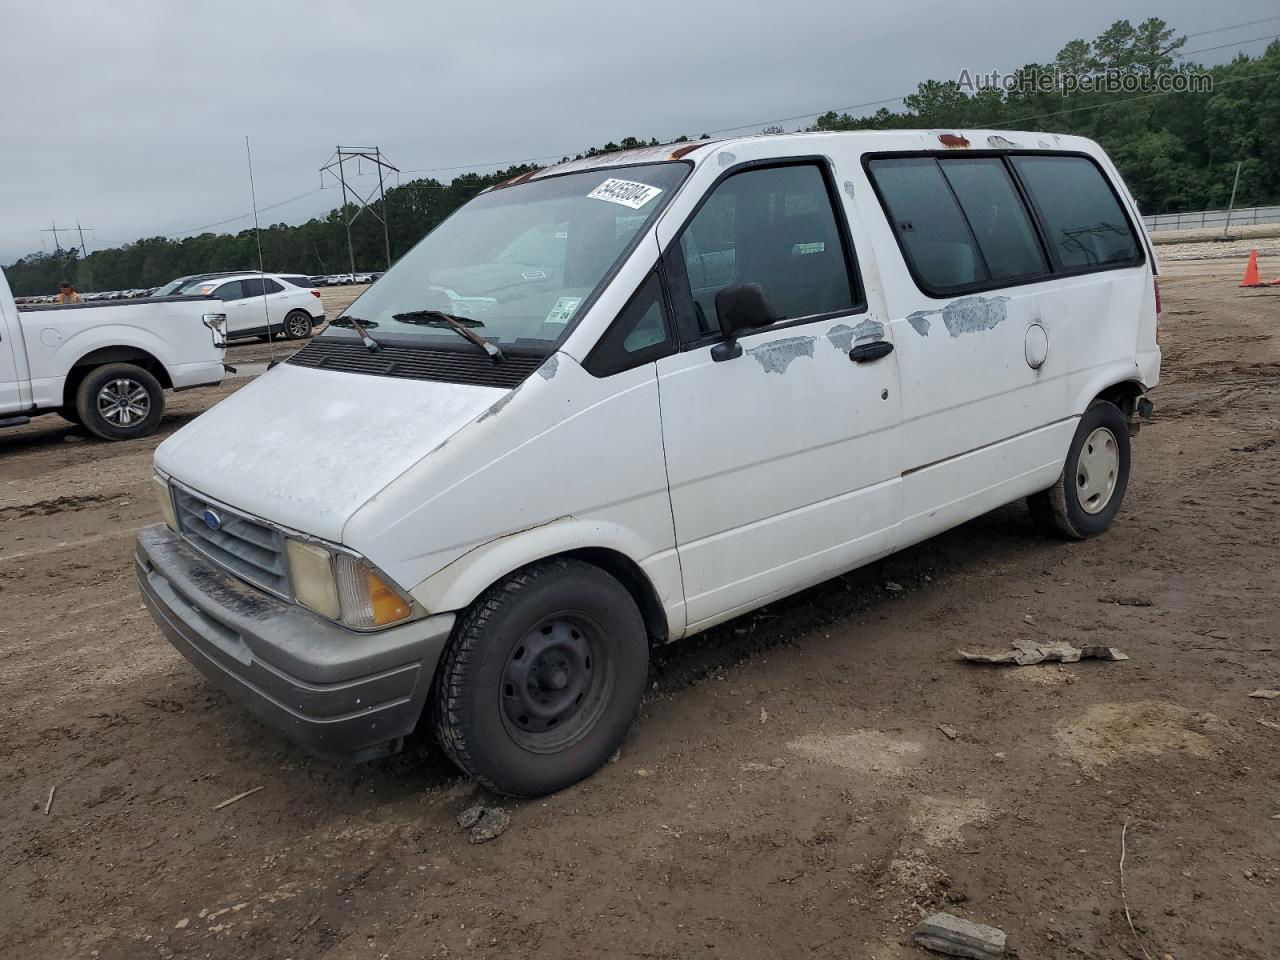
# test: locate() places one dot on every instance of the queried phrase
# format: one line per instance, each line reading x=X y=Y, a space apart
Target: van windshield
x=517 y=263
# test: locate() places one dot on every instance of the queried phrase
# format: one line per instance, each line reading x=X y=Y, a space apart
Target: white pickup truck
x=106 y=364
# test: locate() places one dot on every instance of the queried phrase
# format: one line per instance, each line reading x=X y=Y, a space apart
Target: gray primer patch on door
x=842 y=335
x=920 y=321
x=966 y=315
x=775 y=357
x=972 y=314
x=549 y=368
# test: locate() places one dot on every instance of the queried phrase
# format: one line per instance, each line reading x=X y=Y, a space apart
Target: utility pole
x=336 y=166
x=1231 y=206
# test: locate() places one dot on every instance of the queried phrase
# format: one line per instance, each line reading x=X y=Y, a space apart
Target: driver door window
x=775 y=227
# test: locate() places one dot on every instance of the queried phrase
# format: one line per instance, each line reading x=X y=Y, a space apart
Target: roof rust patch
x=954 y=141
x=686 y=148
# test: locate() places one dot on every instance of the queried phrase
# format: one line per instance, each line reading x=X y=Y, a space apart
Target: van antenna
x=262 y=279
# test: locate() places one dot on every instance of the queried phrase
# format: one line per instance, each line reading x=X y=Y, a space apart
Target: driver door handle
x=868 y=352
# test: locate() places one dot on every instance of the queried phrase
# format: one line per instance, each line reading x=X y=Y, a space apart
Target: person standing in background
x=66 y=293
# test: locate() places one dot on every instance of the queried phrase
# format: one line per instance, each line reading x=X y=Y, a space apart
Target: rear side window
x=935 y=238
x=996 y=215
x=773 y=226
x=1084 y=222
x=270 y=286
x=304 y=282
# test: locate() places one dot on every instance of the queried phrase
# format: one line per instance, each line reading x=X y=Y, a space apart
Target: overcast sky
x=130 y=115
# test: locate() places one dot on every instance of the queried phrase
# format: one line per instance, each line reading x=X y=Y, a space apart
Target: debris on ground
x=1028 y=652
x=1273 y=724
x=949 y=732
x=1265 y=694
x=485 y=823
x=894 y=587
x=237 y=798
x=48 y=804
x=945 y=933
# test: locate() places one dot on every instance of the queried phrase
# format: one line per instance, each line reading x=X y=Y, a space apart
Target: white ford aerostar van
x=620 y=400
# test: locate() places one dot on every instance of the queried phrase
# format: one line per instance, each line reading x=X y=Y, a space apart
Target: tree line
x=1177 y=151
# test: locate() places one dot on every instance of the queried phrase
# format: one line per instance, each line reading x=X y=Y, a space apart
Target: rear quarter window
x=1084 y=223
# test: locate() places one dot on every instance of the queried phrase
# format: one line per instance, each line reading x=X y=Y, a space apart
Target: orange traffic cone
x=1251 y=272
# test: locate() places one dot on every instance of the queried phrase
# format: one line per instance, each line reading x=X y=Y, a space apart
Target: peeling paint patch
x=727 y=158
x=972 y=314
x=776 y=356
x=498 y=406
x=848 y=187
x=1044 y=145
x=548 y=370
x=842 y=336
x=966 y=315
x=920 y=321
x=995 y=140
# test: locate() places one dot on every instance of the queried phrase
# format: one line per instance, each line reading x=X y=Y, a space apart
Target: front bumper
x=339 y=693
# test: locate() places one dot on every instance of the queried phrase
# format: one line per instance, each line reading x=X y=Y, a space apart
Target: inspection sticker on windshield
x=562 y=312
x=626 y=192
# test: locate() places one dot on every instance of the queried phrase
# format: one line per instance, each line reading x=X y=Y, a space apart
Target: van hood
x=307 y=448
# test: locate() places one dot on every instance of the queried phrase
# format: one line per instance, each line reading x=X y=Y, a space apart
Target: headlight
x=166 y=502
x=342 y=587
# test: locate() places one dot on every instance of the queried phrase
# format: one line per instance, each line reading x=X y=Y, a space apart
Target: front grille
x=418 y=363
x=249 y=549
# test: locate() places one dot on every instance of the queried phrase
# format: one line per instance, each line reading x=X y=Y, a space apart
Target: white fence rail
x=1208 y=219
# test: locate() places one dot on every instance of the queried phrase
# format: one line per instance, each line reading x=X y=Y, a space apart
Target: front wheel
x=542 y=678
x=120 y=401
x=1087 y=496
x=297 y=324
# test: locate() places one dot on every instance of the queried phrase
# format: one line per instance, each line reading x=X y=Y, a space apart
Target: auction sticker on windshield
x=562 y=312
x=626 y=192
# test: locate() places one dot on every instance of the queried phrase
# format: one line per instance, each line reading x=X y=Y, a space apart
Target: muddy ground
x=787 y=791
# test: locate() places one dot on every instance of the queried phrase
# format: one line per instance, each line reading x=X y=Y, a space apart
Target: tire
x=1087 y=496
x=541 y=679
x=106 y=415
x=297 y=325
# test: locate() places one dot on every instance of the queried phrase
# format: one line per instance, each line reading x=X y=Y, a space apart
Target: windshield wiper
x=349 y=321
x=434 y=318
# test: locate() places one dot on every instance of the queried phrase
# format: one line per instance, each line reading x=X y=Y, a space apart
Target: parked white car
x=728 y=371
x=261 y=305
x=105 y=364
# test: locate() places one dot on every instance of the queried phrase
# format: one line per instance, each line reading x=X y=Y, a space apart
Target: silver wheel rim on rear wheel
x=123 y=402
x=298 y=327
x=1097 y=469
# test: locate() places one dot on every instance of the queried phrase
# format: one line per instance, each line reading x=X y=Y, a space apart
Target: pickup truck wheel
x=120 y=401
x=542 y=678
x=297 y=324
x=1087 y=496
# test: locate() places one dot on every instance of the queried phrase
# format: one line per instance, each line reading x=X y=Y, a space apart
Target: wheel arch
x=114 y=354
x=458 y=584
x=1124 y=394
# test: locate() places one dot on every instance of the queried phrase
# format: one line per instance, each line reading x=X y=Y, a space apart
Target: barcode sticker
x=626 y=192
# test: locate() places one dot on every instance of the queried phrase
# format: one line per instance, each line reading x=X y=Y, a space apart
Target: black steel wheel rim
x=555 y=683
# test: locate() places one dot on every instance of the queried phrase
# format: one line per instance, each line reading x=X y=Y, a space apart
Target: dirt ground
x=787 y=791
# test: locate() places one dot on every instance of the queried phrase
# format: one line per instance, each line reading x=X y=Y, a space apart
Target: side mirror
x=740 y=308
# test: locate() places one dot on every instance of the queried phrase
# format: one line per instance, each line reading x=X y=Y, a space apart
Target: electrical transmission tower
x=336 y=167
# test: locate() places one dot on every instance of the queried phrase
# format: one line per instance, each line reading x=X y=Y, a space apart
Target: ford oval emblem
x=211 y=520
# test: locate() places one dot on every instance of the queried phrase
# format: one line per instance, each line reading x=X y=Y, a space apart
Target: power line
x=1234 y=26
x=244 y=216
